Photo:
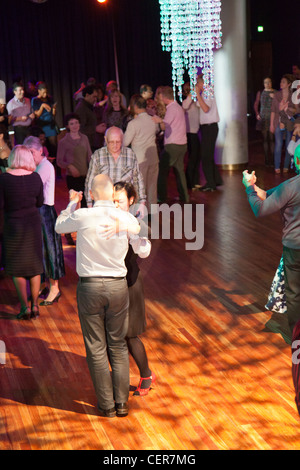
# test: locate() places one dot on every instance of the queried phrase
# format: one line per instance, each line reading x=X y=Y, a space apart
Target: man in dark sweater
x=286 y=199
x=87 y=115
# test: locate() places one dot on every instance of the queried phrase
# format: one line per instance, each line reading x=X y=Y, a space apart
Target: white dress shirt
x=47 y=173
x=95 y=254
x=212 y=115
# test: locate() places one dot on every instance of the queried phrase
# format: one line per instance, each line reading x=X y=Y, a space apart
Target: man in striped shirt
x=119 y=163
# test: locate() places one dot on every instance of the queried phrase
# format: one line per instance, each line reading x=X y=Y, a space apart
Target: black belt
x=96 y=278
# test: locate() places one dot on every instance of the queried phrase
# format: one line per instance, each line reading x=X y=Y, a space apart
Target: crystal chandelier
x=191 y=31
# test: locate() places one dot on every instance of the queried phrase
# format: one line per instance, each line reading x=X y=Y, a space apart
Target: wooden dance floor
x=222 y=360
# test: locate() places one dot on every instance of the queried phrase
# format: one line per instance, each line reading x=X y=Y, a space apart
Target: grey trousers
x=150 y=175
x=172 y=155
x=103 y=313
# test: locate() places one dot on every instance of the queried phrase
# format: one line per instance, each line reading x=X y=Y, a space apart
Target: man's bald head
x=114 y=131
x=114 y=140
x=102 y=188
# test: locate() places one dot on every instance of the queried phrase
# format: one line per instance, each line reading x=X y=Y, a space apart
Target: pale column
x=231 y=86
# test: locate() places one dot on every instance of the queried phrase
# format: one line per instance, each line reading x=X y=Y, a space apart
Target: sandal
x=141 y=392
x=24 y=313
x=34 y=311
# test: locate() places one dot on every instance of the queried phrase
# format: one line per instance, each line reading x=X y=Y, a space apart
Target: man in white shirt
x=209 y=118
x=102 y=293
x=141 y=135
x=192 y=128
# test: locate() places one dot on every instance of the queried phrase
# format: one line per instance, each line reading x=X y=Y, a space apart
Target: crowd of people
x=160 y=132
x=279 y=121
x=277 y=116
x=116 y=159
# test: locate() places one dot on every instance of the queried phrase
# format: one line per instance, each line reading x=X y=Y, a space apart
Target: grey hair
x=33 y=142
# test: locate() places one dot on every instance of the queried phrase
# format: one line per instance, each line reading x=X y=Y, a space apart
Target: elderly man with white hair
x=119 y=163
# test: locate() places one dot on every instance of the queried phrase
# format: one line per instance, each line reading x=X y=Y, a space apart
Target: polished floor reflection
x=222 y=361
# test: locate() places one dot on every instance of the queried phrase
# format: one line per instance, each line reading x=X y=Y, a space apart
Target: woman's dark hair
x=289 y=77
x=128 y=188
x=139 y=101
x=4 y=131
x=88 y=90
x=41 y=85
x=70 y=116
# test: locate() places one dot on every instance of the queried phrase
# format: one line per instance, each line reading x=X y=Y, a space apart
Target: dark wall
x=66 y=41
x=281 y=33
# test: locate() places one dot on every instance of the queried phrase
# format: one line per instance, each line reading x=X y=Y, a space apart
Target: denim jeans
x=279 y=136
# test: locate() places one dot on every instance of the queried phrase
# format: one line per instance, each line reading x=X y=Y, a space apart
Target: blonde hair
x=21 y=158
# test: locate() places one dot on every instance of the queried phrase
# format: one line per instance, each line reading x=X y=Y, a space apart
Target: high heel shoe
x=44 y=293
x=24 y=313
x=50 y=302
x=141 y=392
x=34 y=311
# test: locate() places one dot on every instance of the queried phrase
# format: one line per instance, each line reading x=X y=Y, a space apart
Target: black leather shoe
x=50 y=302
x=111 y=413
x=122 y=409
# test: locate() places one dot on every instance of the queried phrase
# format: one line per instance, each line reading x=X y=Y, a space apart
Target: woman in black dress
x=124 y=197
x=21 y=194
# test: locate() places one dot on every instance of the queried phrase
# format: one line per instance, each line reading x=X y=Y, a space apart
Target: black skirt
x=23 y=245
x=53 y=256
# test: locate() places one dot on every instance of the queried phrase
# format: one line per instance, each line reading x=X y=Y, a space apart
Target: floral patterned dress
x=276 y=299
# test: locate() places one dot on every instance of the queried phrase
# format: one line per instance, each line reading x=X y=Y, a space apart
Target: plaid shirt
x=126 y=168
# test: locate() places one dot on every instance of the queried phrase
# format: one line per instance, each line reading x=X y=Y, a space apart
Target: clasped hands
x=75 y=197
x=249 y=179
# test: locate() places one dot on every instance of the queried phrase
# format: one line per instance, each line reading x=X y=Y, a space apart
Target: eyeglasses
x=114 y=141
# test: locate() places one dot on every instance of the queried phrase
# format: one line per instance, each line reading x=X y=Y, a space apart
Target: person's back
x=143 y=131
x=175 y=124
x=20 y=193
x=287 y=197
x=95 y=255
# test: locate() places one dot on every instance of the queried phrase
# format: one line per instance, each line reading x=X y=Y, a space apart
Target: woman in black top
x=124 y=197
x=21 y=194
